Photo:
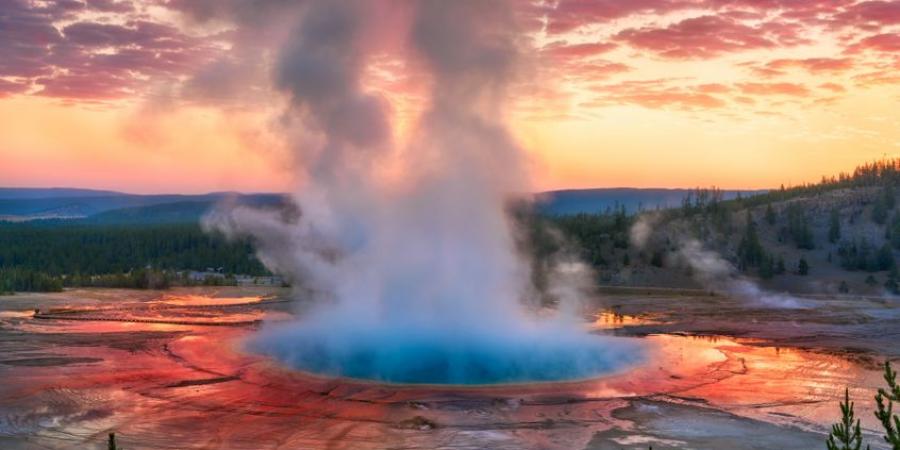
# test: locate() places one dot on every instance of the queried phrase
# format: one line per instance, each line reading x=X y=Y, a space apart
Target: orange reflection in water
x=16 y=314
x=749 y=378
x=606 y=320
x=205 y=300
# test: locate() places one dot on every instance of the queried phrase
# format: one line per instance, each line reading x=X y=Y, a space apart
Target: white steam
x=709 y=268
x=717 y=274
x=418 y=280
x=642 y=229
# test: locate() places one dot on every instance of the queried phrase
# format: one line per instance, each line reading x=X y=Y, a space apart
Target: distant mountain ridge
x=115 y=207
x=55 y=192
x=110 y=207
x=574 y=201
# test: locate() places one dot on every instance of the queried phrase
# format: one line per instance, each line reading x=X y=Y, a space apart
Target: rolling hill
x=38 y=193
x=115 y=207
x=92 y=206
x=574 y=201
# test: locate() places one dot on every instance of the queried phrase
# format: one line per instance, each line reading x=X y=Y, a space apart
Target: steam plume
x=717 y=274
x=709 y=268
x=418 y=280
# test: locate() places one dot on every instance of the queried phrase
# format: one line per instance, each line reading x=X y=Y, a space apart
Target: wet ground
x=166 y=370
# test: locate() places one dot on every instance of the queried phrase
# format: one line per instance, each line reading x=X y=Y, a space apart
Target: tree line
x=885 y=172
x=47 y=255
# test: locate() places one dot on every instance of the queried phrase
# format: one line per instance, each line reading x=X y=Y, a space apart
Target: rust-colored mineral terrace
x=180 y=381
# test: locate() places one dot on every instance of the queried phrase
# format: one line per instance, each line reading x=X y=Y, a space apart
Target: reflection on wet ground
x=205 y=300
x=609 y=320
x=719 y=376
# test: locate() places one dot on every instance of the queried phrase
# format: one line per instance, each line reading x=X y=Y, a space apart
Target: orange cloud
x=660 y=94
x=813 y=65
x=833 y=87
x=791 y=89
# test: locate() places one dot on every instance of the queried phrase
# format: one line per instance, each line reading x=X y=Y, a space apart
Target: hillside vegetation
x=840 y=235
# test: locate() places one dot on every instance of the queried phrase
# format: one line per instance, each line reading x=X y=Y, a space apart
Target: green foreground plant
x=885 y=410
x=847 y=434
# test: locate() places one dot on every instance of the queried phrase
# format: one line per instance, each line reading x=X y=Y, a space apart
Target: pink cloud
x=600 y=69
x=878 y=13
x=54 y=49
x=888 y=42
x=9 y=88
x=564 y=50
x=139 y=33
x=111 y=6
x=91 y=60
x=571 y=14
x=579 y=61
x=86 y=86
x=709 y=36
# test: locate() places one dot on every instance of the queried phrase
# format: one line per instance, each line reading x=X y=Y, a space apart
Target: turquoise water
x=423 y=355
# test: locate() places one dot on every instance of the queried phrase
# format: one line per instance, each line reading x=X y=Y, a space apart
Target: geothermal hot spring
x=401 y=351
x=416 y=277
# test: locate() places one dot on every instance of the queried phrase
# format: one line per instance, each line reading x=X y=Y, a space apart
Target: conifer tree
x=770 y=214
x=779 y=267
x=767 y=267
x=884 y=412
x=886 y=259
x=834 y=229
x=880 y=211
x=847 y=434
x=750 y=251
x=890 y=198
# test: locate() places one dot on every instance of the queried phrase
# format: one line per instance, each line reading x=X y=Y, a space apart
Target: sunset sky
x=177 y=95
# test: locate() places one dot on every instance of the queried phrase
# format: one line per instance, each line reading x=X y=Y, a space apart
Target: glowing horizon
x=149 y=97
